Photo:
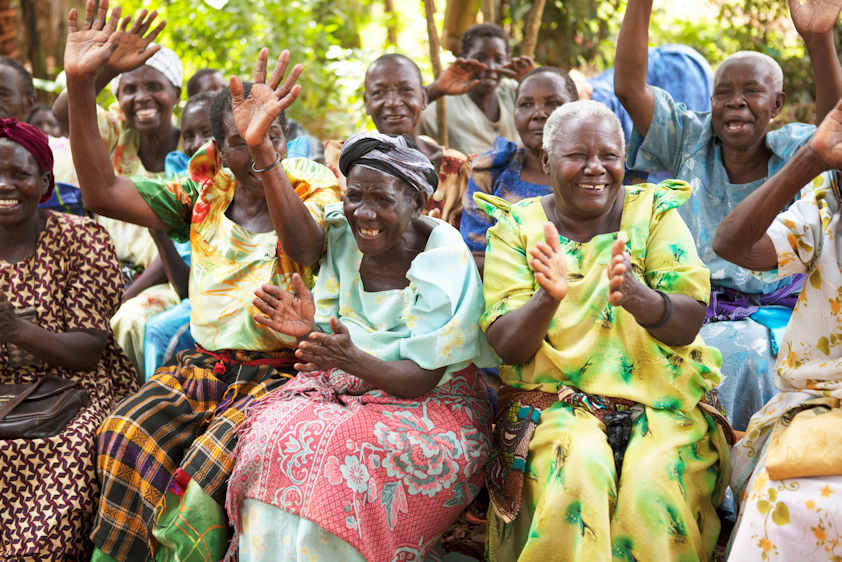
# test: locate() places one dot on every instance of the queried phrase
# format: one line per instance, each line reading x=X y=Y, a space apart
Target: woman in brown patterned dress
x=60 y=283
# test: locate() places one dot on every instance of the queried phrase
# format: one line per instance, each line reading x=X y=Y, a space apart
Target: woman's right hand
x=459 y=77
x=827 y=140
x=549 y=263
x=98 y=44
x=285 y=312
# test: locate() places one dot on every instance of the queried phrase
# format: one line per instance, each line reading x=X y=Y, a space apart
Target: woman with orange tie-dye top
x=252 y=218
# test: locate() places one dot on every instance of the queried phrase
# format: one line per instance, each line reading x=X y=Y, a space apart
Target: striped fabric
x=186 y=416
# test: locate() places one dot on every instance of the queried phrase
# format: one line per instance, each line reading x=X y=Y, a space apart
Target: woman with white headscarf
x=379 y=443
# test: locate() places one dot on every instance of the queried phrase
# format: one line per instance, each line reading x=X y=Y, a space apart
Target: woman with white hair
x=606 y=443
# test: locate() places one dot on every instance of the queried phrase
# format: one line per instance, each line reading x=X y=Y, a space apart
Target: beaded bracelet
x=269 y=167
x=665 y=316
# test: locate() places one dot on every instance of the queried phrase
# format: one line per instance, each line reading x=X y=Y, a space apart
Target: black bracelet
x=267 y=168
x=664 y=317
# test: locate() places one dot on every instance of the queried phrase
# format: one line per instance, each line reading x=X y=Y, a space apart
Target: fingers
x=306 y=367
x=300 y=288
x=268 y=322
x=138 y=22
x=111 y=24
x=91 y=12
x=551 y=236
x=619 y=245
x=72 y=21
x=280 y=69
x=288 y=99
x=263 y=306
x=338 y=327
x=260 y=67
x=152 y=36
x=289 y=83
x=124 y=24
x=236 y=87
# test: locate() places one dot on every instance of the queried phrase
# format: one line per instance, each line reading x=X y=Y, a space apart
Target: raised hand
x=133 y=44
x=549 y=264
x=90 y=46
x=458 y=78
x=285 y=312
x=254 y=115
x=320 y=352
x=622 y=284
x=518 y=67
x=827 y=140
x=814 y=16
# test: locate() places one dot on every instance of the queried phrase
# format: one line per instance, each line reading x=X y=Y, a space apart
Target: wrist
x=644 y=303
x=810 y=162
x=543 y=299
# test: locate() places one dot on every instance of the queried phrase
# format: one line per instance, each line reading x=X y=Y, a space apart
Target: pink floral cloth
x=385 y=474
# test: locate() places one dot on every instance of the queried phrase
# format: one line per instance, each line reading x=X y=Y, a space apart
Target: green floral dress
x=573 y=506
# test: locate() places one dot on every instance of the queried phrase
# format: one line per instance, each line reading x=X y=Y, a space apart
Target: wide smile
x=735 y=127
x=369 y=233
x=146 y=115
x=593 y=187
x=9 y=204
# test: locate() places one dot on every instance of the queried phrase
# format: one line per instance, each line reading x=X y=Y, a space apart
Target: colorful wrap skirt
x=170 y=447
x=377 y=474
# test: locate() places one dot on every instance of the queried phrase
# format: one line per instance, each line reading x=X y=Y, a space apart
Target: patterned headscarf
x=392 y=155
x=33 y=140
x=164 y=61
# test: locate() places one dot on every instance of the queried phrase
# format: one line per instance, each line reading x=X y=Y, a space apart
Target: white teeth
x=593 y=187
x=8 y=202
x=369 y=232
x=145 y=113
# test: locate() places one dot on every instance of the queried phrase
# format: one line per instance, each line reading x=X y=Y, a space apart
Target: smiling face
x=147 y=99
x=22 y=184
x=394 y=96
x=236 y=156
x=538 y=96
x=743 y=102
x=211 y=82
x=13 y=101
x=195 y=127
x=586 y=168
x=492 y=52
x=379 y=207
x=46 y=120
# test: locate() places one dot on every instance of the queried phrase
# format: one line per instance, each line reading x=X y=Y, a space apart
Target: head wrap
x=393 y=155
x=164 y=61
x=33 y=140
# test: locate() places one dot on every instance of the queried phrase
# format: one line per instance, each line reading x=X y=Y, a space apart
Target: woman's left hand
x=254 y=115
x=622 y=284
x=320 y=351
x=812 y=17
x=518 y=67
x=9 y=321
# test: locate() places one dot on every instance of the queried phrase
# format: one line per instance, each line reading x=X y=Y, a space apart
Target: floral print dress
x=799 y=517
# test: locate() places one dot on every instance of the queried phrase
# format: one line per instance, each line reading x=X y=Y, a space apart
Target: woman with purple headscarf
x=60 y=284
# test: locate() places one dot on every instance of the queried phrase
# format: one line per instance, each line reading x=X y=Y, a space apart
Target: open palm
x=90 y=45
x=285 y=312
x=827 y=140
x=814 y=16
x=254 y=115
x=549 y=263
x=133 y=45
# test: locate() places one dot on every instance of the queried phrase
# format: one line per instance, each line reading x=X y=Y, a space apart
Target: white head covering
x=164 y=61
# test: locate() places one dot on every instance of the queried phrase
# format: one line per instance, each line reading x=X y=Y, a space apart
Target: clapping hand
x=320 y=351
x=254 y=115
x=827 y=140
x=549 y=264
x=285 y=312
x=622 y=284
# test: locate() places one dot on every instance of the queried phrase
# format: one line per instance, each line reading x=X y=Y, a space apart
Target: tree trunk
x=391 y=23
x=10 y=26
x=435 y=49
x=488 y=11
x=533 y=26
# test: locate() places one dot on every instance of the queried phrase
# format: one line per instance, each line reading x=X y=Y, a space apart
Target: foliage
x=323 y=35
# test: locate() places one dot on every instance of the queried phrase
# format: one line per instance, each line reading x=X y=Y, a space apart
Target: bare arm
x=631 y=65
x=175 y=269
x=301 y=237
x=814 y=20
x=86 y=51
x=152 y=275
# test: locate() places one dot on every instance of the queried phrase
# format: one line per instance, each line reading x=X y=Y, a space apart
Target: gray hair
x=759 y=59
x=587 y=109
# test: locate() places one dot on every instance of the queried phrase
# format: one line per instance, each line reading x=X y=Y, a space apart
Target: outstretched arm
x=741 y=238
x=300 y=235
x=517 y=335
x=814 y=20
x=88 y=49
x=631 y=65
x=458 y=78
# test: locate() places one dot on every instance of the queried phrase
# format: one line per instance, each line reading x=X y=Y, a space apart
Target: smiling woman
x=59 y=285
x=594 y=296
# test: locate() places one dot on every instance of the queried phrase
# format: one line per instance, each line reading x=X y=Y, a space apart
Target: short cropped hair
x=193 y=83
x=556 y=128
x=395 y=57
x=26 y=76
x=482 y=31
x=569 y=85
x=760 y=59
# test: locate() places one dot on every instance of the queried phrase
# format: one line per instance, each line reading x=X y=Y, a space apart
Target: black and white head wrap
x=392 y=155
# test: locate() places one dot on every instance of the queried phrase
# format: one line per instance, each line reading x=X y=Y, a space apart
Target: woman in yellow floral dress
x=788 y=466
x=252 y=217
x=594 y=297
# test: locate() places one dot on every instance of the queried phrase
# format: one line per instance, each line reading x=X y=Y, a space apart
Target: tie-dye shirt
x=590 y=344
x=228 y=262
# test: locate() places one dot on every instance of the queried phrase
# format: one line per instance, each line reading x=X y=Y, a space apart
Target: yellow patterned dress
x=788 y=467
x=165 y=454
x=573 y=506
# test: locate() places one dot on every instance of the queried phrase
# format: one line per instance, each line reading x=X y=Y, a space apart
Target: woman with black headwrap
x=377 y=445
x=60 y=284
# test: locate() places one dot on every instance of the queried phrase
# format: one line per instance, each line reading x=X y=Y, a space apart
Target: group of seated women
x=354 y=379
